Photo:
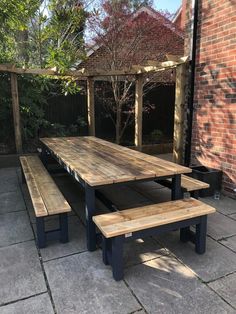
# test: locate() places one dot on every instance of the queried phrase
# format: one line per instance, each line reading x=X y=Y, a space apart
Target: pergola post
x=181 y=72
x=138 y=111
x=16 y=113
x=90 y=102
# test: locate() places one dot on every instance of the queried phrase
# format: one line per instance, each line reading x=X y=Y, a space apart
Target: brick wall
x=214 y=120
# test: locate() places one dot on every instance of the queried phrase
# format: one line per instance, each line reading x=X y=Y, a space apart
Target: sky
x=169 y=5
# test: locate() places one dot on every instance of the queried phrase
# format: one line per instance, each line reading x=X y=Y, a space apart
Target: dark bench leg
x=184 y=234
x=63 y=220
x=23 y=176
x=201 y=228
x=41 y=235
x=106 y=250
x=117 y=258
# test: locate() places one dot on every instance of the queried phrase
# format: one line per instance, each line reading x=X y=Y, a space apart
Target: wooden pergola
x=175 y=62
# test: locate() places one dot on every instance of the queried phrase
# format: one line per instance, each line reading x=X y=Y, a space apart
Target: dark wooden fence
x=66 y=109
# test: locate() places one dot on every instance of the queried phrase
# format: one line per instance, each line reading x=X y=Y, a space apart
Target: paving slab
x=164 y=285
x=217 y=261
x=8 y=174
x=233 y=216
x=9 y=180
x=21 y=275
x=71 y=189
x=220 y=226
x=230 y=243
x=11 y=202
x=158 y=195
x=83 y=284
x=142 y=250
x=146 y=186
x=225 y=205
x=226 y=288
x=76 y=244
x=124 y=196
x=14 y=228
x=39 y=304
x=79 y=209
x=8 y=186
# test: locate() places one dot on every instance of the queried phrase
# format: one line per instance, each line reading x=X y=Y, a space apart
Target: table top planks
x=99 y=162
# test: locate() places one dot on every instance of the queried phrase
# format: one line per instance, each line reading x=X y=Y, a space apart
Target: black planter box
x=211 y=176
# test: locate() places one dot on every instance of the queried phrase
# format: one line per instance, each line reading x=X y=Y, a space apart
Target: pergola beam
x=181 y=72
x=90 y=104
x=152 y=66
x=138 y=112
x=136 y=70
x=177 y=58
x=16 y=113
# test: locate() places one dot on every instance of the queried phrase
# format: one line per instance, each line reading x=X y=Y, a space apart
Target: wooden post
x=181 y=72
x=16 y=113
x=138 y=112
x=90 y=102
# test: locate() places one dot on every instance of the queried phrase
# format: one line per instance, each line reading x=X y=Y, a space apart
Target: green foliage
x=65 y=31
x=156 y=135
x=57 y=129
x=32 y=97
x=6 y=119
x=70 y=87
x=14 y=16
x=45 y=33
x=38 y=33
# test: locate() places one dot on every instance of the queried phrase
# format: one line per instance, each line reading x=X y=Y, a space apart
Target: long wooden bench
x=151 y=220
x=188 y=184
x=46 y=198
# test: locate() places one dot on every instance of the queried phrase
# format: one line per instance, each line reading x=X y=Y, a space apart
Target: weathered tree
x=126 y=38
x=45 y=33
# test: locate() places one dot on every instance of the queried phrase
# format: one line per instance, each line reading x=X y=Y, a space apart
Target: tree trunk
x=118 y=125
x=22 y=42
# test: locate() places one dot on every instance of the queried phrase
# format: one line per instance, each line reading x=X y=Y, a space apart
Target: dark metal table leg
x=194 y=194
x=90 y=211
x=44 y=157
x=176 y=192
x=201 y=230
x=63 y=221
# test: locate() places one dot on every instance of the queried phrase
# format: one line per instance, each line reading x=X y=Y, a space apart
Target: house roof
x=151 y=12
x=177 y=14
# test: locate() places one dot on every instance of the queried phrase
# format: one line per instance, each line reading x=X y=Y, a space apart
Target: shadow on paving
x=162 y=275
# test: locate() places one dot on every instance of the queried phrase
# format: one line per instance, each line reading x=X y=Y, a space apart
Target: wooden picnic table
x=96 y=163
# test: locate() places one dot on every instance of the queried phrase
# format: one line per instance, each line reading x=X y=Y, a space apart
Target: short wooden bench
x=188 y=184
x=46 y=198
x=151 y=220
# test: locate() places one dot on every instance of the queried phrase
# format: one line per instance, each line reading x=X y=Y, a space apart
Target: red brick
x=214 y=119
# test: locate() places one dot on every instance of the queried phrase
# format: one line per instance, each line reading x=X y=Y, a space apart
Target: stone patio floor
x=162 y=275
